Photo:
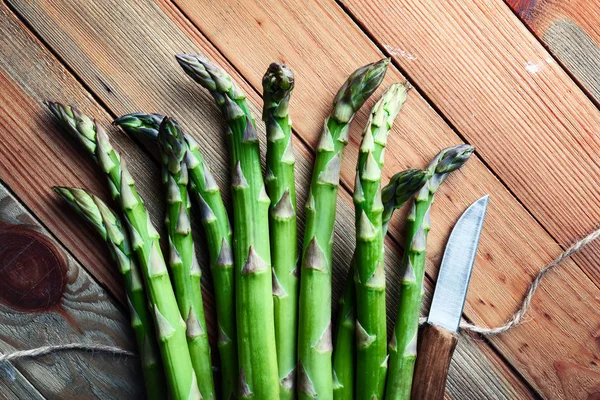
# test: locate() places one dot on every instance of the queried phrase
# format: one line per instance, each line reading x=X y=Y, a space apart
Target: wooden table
x=519 y=81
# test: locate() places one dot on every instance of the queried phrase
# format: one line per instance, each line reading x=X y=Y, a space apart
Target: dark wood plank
x=36 y=154
x=570 y=30
x=46 y=298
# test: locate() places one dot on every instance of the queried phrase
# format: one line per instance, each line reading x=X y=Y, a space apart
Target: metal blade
x=457 y=265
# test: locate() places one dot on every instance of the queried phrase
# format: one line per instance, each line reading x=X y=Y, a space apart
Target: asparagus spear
x=258 y=376
x=399 y=190
x=344 y=350
x=278 y=84
x=170 y=327
x=371 y=338
x=403 y=345
x=185 y=269
x=218 y=237
x=314 y=333
x=108 y=226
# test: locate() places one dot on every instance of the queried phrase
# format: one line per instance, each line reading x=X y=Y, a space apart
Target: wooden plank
x=39 y=156
x=570 y=31
x=533 y=125
x=74 y=29
x=515 y=246
x=14 y=386
x=46 y=298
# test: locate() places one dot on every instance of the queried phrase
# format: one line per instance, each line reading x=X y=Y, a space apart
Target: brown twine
x=514 y=320
x=42 y=351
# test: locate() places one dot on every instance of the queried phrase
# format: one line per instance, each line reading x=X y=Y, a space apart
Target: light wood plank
x=506 y=96
x=73 y=30
x=48 y=299
x=571 y=31
x=527 y=118
x=322 y=44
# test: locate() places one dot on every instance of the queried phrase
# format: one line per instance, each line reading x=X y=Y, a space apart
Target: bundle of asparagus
x=274 y=320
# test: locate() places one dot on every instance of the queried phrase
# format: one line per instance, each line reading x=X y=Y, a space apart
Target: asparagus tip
x=358 y=87
x=278 y=83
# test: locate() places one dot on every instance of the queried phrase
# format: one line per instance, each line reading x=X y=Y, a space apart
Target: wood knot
x=33 y=271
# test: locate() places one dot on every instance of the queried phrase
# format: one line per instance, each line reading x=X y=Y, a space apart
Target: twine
x=513 y=321
x=44 y=350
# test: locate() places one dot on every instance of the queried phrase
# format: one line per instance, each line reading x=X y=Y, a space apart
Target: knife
x=439 y=336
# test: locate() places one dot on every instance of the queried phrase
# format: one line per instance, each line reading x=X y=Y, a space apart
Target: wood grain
x=14 y=386
x=570 y=31
x=435 y=349
x=48 y=299
x=78 y=27
x=515 y=246
x=500 y=106
x=36 y=154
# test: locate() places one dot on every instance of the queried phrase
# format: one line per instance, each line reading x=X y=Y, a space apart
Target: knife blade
x=439 y=335
x=456 y=268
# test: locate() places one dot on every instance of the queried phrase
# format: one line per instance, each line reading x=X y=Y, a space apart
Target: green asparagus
x=108 y=225
x=399 y=190
x=371 y=338
x=314 y=333
x=170 y=327
x=218 y=238
x=403 y=345
x=258 y=376
x=278 y=84
x=184 y=266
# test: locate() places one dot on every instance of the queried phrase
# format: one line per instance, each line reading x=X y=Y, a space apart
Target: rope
x=44 y=350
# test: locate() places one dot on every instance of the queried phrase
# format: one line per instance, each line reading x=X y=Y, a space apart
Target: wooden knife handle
x=434 y=353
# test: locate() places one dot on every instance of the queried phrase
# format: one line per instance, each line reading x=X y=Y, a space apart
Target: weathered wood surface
x=133 y=69
x=46 y=298
x=493 y=379
x=570 y=31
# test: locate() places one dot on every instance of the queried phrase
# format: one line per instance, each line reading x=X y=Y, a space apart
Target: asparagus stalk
x=400 y=189
x=170 y=327
x=185 y=269
x=278 y=84
x=403 y=345
x=344 y=351
x=314 y=333
x=371 y=338
x=218 y=238
x=108 y=226
x=258 y=375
